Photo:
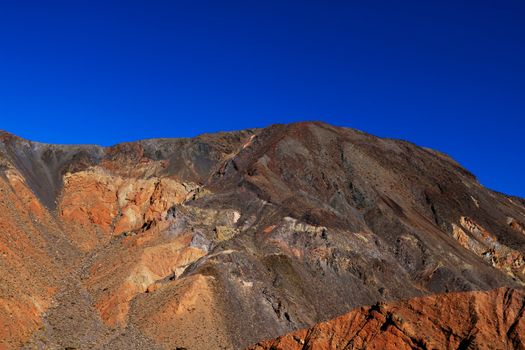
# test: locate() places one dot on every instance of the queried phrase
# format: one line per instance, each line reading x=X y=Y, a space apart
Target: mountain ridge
x=166 y=243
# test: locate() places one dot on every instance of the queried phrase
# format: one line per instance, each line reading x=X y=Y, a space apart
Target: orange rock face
x=112 y=204
x=148 y=264
x=43 y=250
x=470 y=320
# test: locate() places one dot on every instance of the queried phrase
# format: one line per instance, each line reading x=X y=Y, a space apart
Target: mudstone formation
x=300 y=236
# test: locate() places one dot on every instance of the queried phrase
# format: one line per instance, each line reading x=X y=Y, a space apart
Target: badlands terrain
x=300 y=236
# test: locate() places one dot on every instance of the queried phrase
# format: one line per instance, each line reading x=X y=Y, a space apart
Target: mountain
x=222 y=240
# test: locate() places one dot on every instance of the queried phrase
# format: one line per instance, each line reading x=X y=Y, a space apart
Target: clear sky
x=444 y=74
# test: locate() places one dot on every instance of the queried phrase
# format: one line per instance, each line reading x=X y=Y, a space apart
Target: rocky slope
x=176 y=243
x=467 y=320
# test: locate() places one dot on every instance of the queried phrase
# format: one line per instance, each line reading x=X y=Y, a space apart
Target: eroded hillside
x=225 y=239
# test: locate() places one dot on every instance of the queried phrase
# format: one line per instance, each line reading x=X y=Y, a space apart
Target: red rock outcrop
x=469 y=320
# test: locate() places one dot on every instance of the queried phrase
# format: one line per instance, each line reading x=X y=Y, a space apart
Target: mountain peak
x=167 y=243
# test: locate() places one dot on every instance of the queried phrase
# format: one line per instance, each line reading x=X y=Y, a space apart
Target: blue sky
x=444 y=74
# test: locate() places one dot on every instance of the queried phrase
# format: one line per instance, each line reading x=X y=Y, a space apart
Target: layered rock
x=486 y=245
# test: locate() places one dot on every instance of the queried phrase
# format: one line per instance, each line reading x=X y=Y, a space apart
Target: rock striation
x=176 y=243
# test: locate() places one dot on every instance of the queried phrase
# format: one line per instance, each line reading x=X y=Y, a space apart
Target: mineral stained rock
x=222 y=240
x=466 y=320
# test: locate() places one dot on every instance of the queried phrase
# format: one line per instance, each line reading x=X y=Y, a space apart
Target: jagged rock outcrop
x=470 y=320
x=178 y=242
